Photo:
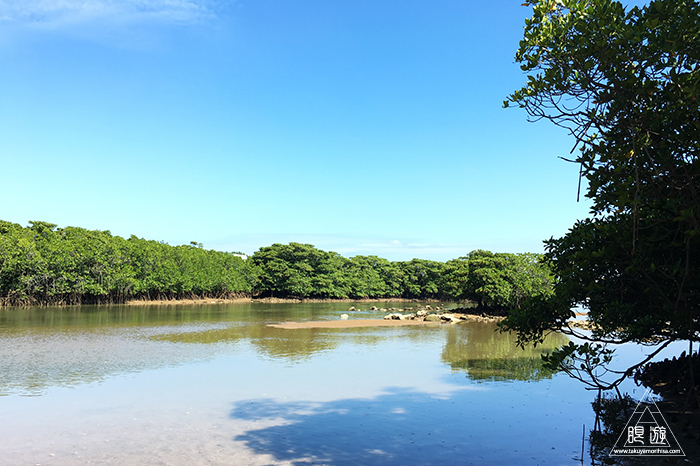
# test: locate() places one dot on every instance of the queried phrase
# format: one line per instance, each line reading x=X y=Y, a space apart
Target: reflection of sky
x=33 y=361
x=231 y=401
x=627 y=355
x=379 y=397
x=170 y=394
x=408 y=427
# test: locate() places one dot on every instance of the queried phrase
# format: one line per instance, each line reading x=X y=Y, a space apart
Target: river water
x=214 y=385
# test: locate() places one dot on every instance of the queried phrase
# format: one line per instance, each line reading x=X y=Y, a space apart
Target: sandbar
x=351 y=323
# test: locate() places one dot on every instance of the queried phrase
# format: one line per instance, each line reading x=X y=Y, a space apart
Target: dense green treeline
x=302 y=270
x=43 y=264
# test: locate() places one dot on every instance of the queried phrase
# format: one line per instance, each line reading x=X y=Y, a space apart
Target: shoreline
x=237 y=300
x=446 y=318
x=175 y=302
x=156 y=302
x=350 y=323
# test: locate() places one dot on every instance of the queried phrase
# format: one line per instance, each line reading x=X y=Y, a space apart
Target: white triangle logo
x=647 y=433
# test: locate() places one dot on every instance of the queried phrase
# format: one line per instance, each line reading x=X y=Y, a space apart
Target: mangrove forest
x=42 y=264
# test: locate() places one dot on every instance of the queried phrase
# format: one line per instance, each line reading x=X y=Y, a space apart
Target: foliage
x=300 y=270
x=498 y=281
x=374 y=277
x=43 y=264
x=626 y=85
x=422 y=278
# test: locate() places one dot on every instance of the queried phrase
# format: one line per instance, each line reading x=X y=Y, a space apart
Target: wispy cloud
x=408 y=249
x=58 y=13
x=348 y=246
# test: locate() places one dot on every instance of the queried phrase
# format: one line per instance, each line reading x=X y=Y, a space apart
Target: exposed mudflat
x=351 y=323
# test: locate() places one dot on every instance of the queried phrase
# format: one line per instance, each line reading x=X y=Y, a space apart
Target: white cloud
x=58 y=13
x=347 y=246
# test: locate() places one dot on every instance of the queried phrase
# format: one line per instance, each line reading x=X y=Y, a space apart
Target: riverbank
x=175 y=302
x=5 y=303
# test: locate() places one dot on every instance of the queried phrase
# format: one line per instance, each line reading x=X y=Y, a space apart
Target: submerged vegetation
x=42 y=264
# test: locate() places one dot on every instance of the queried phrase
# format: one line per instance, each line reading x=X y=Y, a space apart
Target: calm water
x=213 y=384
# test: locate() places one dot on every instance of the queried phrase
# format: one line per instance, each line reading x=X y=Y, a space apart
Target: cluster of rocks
x=430 y=314
x=446 y=317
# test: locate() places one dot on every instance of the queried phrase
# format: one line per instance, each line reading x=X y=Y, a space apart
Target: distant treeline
x=43 y=264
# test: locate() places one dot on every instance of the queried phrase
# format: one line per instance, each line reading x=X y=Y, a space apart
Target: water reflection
x=486 y=354
x=45 y=347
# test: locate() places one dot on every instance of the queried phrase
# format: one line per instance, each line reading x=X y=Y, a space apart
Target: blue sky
x=363 y=127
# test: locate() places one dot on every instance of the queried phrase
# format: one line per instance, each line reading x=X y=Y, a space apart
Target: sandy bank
x=351 y=323
x=448 y=317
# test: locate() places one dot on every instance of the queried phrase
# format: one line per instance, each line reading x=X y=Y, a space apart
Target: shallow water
x=213 y=384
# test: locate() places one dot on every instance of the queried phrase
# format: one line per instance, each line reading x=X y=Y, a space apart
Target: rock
x=351 y=308
x=582 y=324
x=422 y=313
x=383 y=310
x=373 y=308
x=428 y=306
x=432 y=318
x=344 y=316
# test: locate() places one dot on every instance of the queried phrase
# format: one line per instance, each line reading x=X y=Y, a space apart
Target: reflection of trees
x=45 y=347
x=484 y=353
x=294 y=345
x=116 y=315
